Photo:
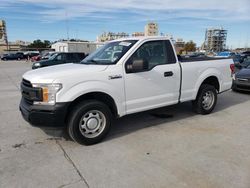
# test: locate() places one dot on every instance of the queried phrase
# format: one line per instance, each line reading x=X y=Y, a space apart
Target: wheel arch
x=210 y=80
x=99 y=96
x=213 y=81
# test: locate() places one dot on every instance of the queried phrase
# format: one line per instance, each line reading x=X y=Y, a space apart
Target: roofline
x=75 y=42
x=143 y=38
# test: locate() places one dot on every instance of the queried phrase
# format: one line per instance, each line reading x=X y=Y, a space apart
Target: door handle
x=168 y=74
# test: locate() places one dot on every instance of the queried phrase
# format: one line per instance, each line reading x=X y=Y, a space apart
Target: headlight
x=37 y=64
x=49 y=92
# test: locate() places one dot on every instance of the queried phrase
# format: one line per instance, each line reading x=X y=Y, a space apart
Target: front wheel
x=205 y=100
x=89 y=122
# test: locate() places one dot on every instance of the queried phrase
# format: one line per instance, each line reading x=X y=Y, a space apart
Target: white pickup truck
x=122 y=77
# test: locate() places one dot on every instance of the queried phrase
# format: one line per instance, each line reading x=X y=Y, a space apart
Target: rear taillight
x=232 y=67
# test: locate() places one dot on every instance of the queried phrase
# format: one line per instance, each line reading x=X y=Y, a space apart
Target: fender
x=94 y=86
x=203 y=76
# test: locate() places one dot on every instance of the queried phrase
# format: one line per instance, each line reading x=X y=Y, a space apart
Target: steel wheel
x=92 y=124
x=208 y=100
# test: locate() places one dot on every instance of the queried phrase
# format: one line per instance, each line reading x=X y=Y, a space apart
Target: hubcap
x=208 y=100
x=92 y=123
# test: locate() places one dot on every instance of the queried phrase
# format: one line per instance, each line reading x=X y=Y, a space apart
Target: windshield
x=53 y=56
x=110 y=53
x=246 y=61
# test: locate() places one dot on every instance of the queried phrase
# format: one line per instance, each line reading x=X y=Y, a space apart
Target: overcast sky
x=187 y=19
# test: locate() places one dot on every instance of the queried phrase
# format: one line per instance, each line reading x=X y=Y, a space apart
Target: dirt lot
x=168 y=147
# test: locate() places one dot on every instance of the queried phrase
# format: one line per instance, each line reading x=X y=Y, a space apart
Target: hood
x=243 y=73
x=49 y=74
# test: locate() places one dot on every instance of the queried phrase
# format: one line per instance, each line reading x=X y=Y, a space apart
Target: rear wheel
x=89 y=122
x=205 y=100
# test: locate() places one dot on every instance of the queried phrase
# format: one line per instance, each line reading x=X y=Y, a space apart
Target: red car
x=36 y=58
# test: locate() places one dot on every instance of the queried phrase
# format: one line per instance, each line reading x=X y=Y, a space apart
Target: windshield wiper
x=89 y=62
x=95 y=62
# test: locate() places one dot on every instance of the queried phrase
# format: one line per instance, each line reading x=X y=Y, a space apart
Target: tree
x=190 y=46
x=40 y=44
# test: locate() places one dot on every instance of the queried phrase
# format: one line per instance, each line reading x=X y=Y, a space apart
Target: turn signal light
x=45 y=94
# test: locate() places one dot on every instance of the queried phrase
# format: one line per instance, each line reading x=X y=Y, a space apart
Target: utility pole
x=67 y=25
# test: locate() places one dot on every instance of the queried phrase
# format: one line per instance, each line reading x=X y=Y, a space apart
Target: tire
x=206 y=99
x=234 y=88
x=89 y=122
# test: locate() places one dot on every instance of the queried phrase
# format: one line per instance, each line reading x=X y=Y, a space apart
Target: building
x=215 y=40
x=138 y=34
x=22 y=43
x=3 y=33
x=3 y=37
x=108 y=36
x=67 y=46
x=180 y=43
x=151 y=29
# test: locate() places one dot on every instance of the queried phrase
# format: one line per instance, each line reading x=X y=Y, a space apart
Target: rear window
x=171 y=59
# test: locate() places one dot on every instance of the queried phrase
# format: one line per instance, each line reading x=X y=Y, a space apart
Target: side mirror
x=136 y=65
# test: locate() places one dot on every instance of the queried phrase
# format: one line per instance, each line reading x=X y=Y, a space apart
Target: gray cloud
x=226 y=10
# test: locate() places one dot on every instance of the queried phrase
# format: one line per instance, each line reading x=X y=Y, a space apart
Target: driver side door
x=158 y=83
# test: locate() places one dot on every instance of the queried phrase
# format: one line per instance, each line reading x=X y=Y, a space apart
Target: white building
x=138 y=34
x=67 y=46
x=151 y=29
x=108 y=36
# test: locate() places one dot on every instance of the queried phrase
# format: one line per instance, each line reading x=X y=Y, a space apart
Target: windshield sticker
x=124 y=43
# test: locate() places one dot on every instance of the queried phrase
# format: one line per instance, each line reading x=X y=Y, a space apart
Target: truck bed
x=199 y=69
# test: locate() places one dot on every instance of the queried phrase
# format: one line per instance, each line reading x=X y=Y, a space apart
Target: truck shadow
x=167 y=115
x=170 y=114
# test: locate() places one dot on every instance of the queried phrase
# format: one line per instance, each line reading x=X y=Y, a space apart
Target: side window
x=171 y=59
x=79 y=56
x=59 y=57
x=70 y=57
x=152 y=53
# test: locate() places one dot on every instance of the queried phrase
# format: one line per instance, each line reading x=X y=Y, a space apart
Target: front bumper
x=44 y=116
x=241 y=86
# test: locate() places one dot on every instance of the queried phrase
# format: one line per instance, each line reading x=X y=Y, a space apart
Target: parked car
x=60 y=58
x=225 y=54
x=30 y=54
x=238 y=58
x=36 y=58
x=246 y=53
x=244 y=63
x=196 y=54
x=12 y=56
x=144 y=74
x=241 y=80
